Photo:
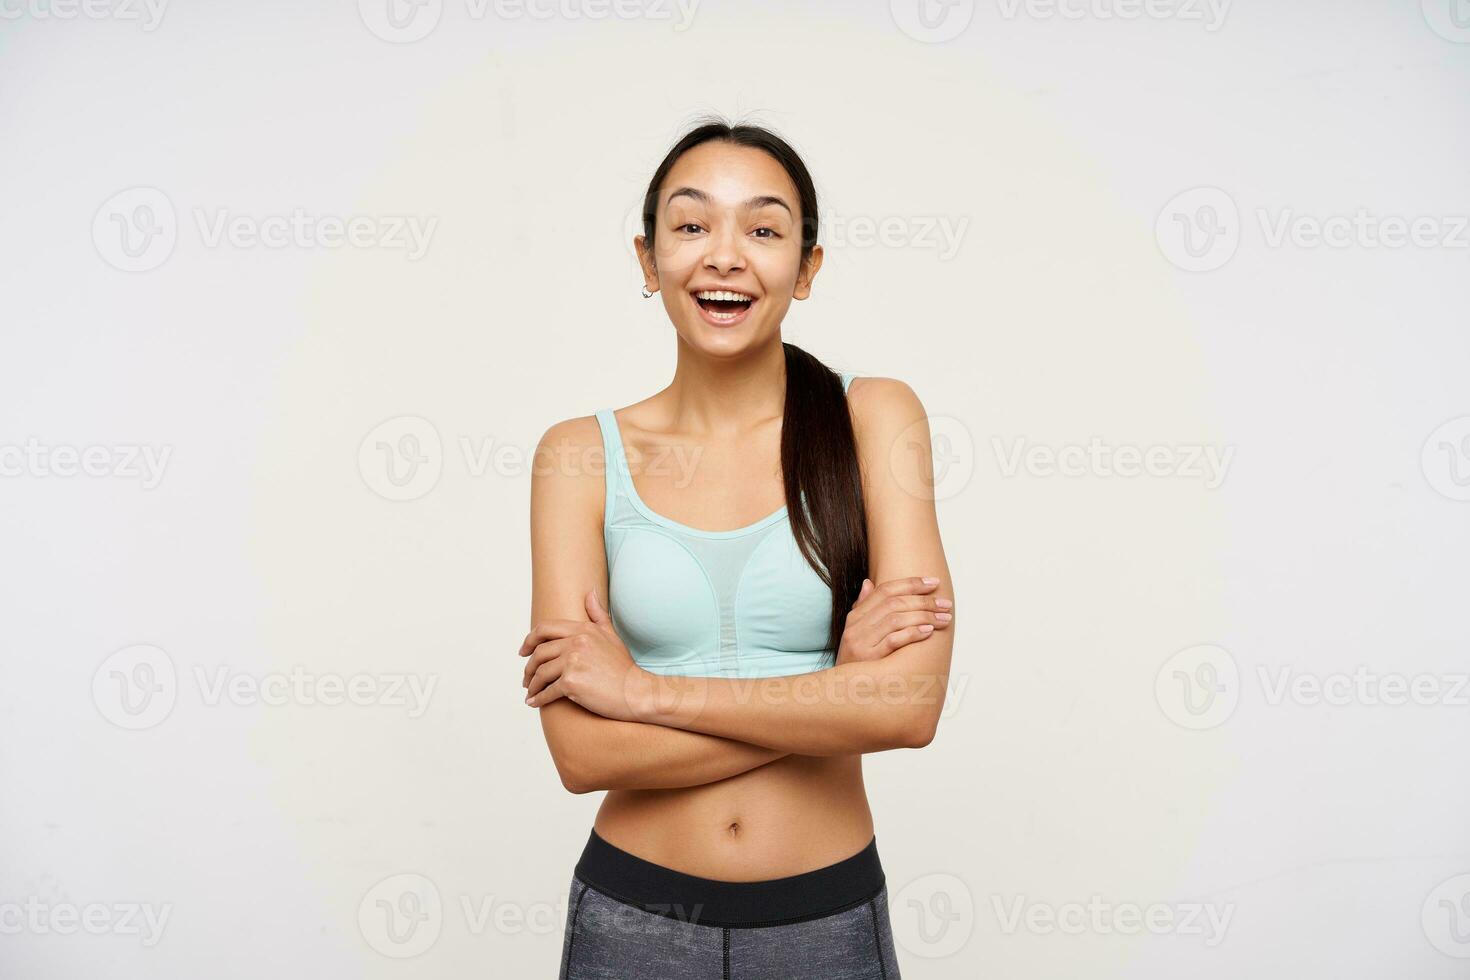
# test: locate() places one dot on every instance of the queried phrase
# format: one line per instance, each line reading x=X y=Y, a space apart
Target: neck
x=727 y=397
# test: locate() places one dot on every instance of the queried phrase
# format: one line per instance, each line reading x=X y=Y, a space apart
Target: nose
x=724 y=249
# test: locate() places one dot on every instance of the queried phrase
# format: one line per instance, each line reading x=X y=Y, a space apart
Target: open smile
x=723 y=307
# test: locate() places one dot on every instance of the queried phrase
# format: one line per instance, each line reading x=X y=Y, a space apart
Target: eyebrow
x=760 y=201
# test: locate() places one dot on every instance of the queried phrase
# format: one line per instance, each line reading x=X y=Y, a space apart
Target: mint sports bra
x=737 y=603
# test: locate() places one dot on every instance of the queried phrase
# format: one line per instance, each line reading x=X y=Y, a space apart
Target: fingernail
x=943 y=617
x=930 y=581
x=943 y=603
x=529 y=700
x=926 y=628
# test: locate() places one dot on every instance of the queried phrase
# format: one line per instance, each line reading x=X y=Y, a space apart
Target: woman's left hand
x=585 y=662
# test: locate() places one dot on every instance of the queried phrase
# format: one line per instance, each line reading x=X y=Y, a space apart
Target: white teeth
x=726 y=295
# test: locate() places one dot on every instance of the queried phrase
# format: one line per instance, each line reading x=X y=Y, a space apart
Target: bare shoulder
x=882 y=405
x=581 y=432
x=567 y=470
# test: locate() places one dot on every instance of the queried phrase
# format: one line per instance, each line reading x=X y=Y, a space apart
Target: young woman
x=709 y=645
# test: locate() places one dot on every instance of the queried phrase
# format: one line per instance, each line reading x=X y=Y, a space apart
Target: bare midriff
x=786 y=817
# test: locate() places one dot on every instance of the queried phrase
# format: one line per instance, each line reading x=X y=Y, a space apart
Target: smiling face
x=727 y=248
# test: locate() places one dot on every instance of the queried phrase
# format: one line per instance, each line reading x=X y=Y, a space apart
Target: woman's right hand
x=892 y=615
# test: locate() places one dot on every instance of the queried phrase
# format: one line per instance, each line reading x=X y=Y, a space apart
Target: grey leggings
x=700 y=928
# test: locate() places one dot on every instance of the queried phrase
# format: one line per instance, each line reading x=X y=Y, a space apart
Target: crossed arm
x=688 y=731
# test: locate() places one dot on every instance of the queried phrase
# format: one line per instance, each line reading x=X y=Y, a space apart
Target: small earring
x=646 y=293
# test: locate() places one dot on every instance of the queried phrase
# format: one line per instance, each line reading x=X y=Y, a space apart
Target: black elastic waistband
x=730 y=904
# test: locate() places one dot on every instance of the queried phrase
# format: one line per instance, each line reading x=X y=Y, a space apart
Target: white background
x=1079 y=760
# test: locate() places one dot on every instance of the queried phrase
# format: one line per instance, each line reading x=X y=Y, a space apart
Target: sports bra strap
x=615 y=460
x=615 y=455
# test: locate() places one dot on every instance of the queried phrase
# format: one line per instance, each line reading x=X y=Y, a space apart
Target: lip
x=715 y=321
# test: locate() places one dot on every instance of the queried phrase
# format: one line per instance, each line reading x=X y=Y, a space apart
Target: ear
x=807 y=274
x=646 y=263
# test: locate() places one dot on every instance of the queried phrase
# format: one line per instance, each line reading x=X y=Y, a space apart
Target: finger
x=891 y=590
x=903 y=637
x=865 y=596
x=918 y=617
x=909 y=603
x=545 y=674
x=595 y=611
x=914 y=584
x=551 y=629
x=546 y=696
x=549 y=650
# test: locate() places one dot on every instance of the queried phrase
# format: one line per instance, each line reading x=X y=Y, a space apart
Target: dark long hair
x=819 y=464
